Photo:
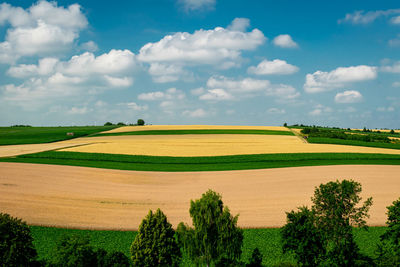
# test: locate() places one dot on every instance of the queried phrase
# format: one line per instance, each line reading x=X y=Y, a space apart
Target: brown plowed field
x=81 y=197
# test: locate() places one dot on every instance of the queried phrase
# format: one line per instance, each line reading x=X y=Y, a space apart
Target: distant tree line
x=317 y=236
x=140 y=122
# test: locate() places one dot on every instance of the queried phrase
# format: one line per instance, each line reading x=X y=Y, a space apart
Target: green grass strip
x=38 y=135
x=211 y=131
x=220 y=163
x=267 y=240
x=324 y=140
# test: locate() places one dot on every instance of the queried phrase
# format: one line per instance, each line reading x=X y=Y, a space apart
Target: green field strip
x=324 y=140
x=267 y=240
x=196 y=131
x=221 y=163
x=39 y=135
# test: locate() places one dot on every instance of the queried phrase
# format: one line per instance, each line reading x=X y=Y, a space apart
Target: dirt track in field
x=79 y=197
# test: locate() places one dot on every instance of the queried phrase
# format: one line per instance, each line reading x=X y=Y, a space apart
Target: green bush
x=140 y=122
x=155 y=243
x=16 y=242
x=256 y=259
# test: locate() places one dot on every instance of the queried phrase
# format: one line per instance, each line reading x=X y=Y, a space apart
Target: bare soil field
x=79 y=197
x=194 y=127
x=211 y=145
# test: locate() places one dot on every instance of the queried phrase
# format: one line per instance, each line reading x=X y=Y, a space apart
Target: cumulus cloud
x=194 y=5
x=51 y=78
x=89 y=46
x=394 y=68
x=285 y=41
x=320 y=110
x=347 y=97
x=42 y=29
x=78 y=111
x=276 y=111
x=169 y=94
x=385 y=109
x=395 y=20
x=321 y=81
x=224 y=88
x=275 y=66
x=134 y=106
x=362 y=17
x=217 y=47
x=239 y=24
x=216 y=95
x=163 y=73
x=197 y=113
x=396 y=84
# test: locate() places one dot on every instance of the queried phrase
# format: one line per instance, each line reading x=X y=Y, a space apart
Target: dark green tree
x=334 y=212
x=74 y=250
x=16 y=242
x=140 y=122
x=215 y=237
x=389 y=248
x=302 y=236
x=256 y=259
x=155 y=243
x=108 y=123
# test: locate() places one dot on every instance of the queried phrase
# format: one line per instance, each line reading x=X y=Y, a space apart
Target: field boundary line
x=299 y=136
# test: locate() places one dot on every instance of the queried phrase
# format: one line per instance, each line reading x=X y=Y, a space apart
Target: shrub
x=155 y=243
x=74 y=250
x=256 y=259
x=16 y=242
x=140 y=122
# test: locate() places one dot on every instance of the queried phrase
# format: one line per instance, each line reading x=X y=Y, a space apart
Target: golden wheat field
x=211 y=145
x=79 y=197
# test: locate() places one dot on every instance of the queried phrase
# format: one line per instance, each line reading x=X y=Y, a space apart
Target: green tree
x=389 y=248
x=155 y=243
x=302 y=236
x=327 y=229
x=16 y=242
x=74 y=250
x=215 y=238
x=108 y=123
x=140 y=122
x=256 y=259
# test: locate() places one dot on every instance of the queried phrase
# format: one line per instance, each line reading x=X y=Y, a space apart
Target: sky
x=216 y=62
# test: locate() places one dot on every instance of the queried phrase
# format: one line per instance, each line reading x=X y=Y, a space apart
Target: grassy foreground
x=220 y=163
x=211 y=131
x=37 y=135
x=267 y=240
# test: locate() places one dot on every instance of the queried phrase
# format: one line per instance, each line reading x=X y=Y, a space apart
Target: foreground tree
x=155 y=243
x=215 y=238
x=323 y=235
x=16 y=242
x=389 y=248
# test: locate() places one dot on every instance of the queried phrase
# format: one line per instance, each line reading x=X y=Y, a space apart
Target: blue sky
x=200 y=62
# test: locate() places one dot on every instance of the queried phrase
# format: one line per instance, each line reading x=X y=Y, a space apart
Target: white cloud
x=285 y=41
x=320 y=110
x=46 y=66
x=276 y=111
x=42 y=29
x=394 y=42
x=119 y=82
x=169 y=94
x=134 y=106
x=362 y=17
x=348 y=97
x=275 y=66
x=217 y=47
x=282 y=91
x=79 y=111
x=90 y=46
x=239 y=24
x=241 y=86
x=198 y=91
x=395 y=20
x=396 y=84
x=216 y=95
x=198 y=113
x=193 y=5
x=395 y=68
x=163 y=73
x=321 y=81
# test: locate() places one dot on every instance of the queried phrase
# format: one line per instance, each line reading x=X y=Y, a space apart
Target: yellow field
x=193 y=127
x=211 y=145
